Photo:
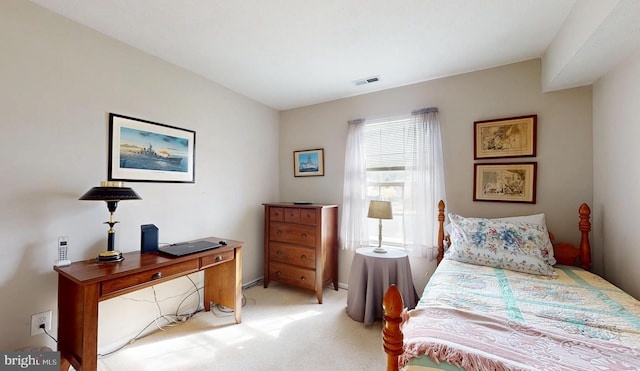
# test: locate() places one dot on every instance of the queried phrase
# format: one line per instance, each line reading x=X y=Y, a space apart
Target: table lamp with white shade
x=380 y=210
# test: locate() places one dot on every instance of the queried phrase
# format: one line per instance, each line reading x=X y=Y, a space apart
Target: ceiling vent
x=366 y=81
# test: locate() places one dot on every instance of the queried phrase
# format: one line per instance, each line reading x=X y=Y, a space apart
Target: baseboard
x=255 y=282
x=259 y=280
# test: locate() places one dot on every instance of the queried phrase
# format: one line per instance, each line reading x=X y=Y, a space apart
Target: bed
x=545 y=311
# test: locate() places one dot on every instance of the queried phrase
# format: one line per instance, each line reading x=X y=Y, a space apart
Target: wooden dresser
x=301 y=245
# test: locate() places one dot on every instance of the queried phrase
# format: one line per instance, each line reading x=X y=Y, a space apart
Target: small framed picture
x=508 y=137
x=145 y=151
x=309 y=162
x=510 y=182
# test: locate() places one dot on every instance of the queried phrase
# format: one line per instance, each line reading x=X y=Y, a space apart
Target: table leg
x=77 y=325
x=223 y=285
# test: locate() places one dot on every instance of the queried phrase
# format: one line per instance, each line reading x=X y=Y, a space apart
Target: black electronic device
x=186 y=248
x=148 y=238
x=222 y=242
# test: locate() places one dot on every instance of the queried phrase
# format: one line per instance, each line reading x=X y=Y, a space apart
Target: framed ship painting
x=308 y=163
x=145 y=151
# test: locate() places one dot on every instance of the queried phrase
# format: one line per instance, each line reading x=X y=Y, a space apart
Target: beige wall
x=564 y=143
x=616 y=182
x=59 y=81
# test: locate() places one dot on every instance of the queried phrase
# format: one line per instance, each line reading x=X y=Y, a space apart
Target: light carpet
x=282 y=328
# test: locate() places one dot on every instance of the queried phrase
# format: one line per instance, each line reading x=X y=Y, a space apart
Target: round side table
x=371 y=275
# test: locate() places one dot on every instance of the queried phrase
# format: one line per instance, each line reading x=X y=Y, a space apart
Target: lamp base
x=380 y=250
x=109 y=256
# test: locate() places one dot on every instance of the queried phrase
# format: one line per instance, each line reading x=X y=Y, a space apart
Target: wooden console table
x=83 y=284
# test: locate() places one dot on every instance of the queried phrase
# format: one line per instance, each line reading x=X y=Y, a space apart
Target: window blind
x=388 y=144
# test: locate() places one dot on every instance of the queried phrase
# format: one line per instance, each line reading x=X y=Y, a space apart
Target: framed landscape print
x=509 y=182
x=308 y=162
x=146 y=151
x=508 y=137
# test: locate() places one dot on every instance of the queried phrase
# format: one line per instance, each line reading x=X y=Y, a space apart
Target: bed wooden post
x=440 y=231
x=391 y=335
x=585 y=227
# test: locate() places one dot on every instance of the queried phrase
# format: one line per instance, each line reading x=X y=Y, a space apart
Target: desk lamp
x=380 y=210
x=111 y=193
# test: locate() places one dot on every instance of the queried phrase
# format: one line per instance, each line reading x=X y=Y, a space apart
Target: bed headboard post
x=440 y=231
x=392 y=338
x=585 y=227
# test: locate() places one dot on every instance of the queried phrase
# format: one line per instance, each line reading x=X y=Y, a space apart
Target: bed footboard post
x=391 y=335
x=440 y=231
x=585 y=227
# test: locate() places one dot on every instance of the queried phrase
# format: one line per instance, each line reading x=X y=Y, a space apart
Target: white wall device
x=63 y=245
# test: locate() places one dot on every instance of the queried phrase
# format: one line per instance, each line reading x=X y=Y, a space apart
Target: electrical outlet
x=39 y=319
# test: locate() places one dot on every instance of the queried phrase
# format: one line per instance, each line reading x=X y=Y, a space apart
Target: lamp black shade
x=111 y=193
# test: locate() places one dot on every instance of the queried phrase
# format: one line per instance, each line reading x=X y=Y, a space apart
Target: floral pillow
x=516 y=246
x=536 y=219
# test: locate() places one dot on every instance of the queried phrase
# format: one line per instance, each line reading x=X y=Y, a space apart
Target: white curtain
x=424 y=183
x=353 y=230
x=423 y=186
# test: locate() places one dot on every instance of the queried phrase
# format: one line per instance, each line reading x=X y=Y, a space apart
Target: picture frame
x=507 y=137
x=505 y=182
x=308 y=162
x=146 y=151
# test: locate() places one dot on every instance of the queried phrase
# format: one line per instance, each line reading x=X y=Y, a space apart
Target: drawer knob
x=278 y=273
x=156 y=276
x=278 y=252
x=303 y=235
x=303 y=256
x=279 y=231
x=219 y=258
x=303 y=278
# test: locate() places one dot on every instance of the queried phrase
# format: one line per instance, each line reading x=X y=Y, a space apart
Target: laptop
x=186 y=248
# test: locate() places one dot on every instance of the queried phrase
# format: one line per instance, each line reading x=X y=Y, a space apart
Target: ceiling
x=293 y=53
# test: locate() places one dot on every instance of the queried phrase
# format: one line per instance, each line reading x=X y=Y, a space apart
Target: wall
x=616 y=180
x=59 y=82
x=563 y=145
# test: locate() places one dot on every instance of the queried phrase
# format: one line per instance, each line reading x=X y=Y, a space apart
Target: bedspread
x=478 y=317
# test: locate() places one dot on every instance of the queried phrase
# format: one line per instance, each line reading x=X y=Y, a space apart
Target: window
x=385 y=180
x=397 y=160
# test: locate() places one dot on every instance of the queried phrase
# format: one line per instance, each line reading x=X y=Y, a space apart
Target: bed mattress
x=477 y=317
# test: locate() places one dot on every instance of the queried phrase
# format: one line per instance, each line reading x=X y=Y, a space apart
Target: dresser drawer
x=144 y=278
x=296 y=234
x=276 y=214
x=308 y=216
x=296 y=255
x=213 y=259
x=304 y=278
x=292 y=215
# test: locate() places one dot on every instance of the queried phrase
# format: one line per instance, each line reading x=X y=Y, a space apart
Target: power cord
x=44 y=328
x=182 y=317
x=226 y=311
x=170 y=321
